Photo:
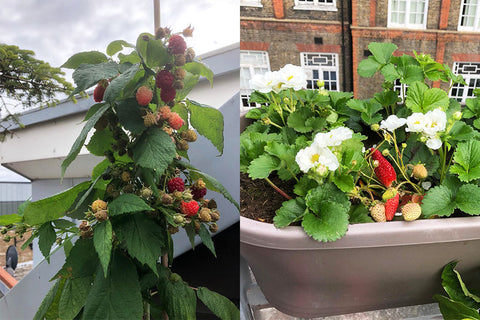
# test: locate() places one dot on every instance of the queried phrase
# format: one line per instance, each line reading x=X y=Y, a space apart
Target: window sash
x=469 y=19
x=411 y=14
x=251 y=63
x=323 y=67
x=471 y=74
x=325 y=5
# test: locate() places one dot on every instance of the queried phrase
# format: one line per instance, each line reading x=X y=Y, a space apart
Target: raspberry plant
x=142 y=127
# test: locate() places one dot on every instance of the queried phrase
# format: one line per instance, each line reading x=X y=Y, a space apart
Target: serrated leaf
x=63 y=224
x=82 y=260
x=127 y=203
x=87 y=75
x=116 y=46
x=330 y=224
x=207 y=239
x=78 y=144
x=198 y=68
x=154 y=150
x=467 y=161
x=461 y=131
x=117 y=296
x=359 y=214
x=144 y=239
x=261 y=167
x=54 y=207
x=88 y=57
x=116 y=86
x=129 y=116
x=290 y=211
x=422 y=99
x=141 y=44
x=297 y=120
x=208 y=122
x=189 y=82
x=74 y=294
x=7 y=219
x=304 y=185
x=47 y=301
x=368 y=67
x=100 y=142
x=218 y=304
x=390 y=72
x=382 y=51
x=157 y=55
x=468 y=198
x=344 y=182
x=453 y=310
x=46 y=239
x=438 y=201
x=102 y=240
x=326 y=192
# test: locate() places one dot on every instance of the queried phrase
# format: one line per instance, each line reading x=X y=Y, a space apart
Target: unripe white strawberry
x=378 y=212
x=419 y=172
x=411 y=211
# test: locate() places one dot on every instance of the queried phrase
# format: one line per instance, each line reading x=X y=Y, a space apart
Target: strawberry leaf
x=261 y=167
x=329 y=225
x=422 y=99
x=438 y=201
x=290 y=211
x=453 y=284
x=467 y=161
x=468 y=198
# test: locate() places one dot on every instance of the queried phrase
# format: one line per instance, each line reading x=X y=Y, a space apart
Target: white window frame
x=476 y=18
x=251 y=3
x=330 y=66
x=245 y=91
x=315 y=5
x=470 y=78
x=407 y=24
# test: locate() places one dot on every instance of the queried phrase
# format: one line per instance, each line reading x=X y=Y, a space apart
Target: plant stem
x=278 y=189
x=146 y=308
x=164 y=260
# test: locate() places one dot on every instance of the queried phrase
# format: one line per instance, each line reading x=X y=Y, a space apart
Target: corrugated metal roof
x=10 y=191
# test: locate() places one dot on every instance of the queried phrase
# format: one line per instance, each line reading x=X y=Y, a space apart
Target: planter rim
x=363 y=235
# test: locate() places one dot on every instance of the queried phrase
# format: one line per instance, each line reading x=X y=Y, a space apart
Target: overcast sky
x=57 y=29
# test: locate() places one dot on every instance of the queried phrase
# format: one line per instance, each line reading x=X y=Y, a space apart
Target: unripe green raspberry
x=129 y=188
x=101 y=215
x=7 y=238
x=146 y=192
x=98 y=205
x=178 y=219
x=204 y=215
x=213 y=228
x=182 y=145
x=126 y=176
x=167 y=199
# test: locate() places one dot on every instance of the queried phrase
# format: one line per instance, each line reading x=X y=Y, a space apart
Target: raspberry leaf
x=218 y=304
x=129 y=116
x=467 y=161
x=154 y=150
x=438 y=201
x=87 y=75
x=208 y=122
x=46 y=239
x=207 y=239
x=81 y=262
x=116 y=86
x=74 y=294
x=157 y=55
x=100 y=142
x=189 y=82
x=117 y=45
x=116 y=296
x=89 y=57
x=176 y=297
x=127 y=203
x=290 y=211
x=330 y=224
x=198 y=68
x=7 y=219
x=102 y=240
x=47 y=301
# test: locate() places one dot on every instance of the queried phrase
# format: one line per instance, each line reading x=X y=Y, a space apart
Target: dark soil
x=259 y=201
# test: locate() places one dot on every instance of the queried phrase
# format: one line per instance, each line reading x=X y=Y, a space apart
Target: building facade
x=330 y=38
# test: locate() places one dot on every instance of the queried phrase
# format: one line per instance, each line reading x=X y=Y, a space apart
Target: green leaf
x=344 y=182
x=371 y=115
x=54 y=207
x=329 y=225
x=127 y=203
x=304 y=185
x=102 y=240
x=46 y=239
x=208 y=121
x=78 y=144
x=52 y=312
x=452 y=310
x=382 y=51
x=218 y=304
x=87 y=75
x=117 y=296
x=74 y=294
x=390 y=73
x=290 y=211
x=144 y=239
x=116 y=86
x=467 y=161
x=93 y=109
x=438 y=201
x=100 y=142
x=207 y=239
x=326 y=192
x=359 y=214
x=454 y=286
x=198 y=68
x=100 y=168
x=368 y=67
x=88 y=57
x=141 y=44
x=81 y=262
x=421 y=99
x=157 y=55
x=298 y=120
x=116 y=46
x=47 y=301
x=468 y=198
x=132 y=57
x=129 y=116
x=7 y=219
x=63 y=224
x=461 y=131
x=176 y=297
x=189 y=82
x=261 y=167
x=154 y=150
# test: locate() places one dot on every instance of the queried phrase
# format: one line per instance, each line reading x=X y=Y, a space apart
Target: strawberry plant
x=411 y=152
x=143 y=192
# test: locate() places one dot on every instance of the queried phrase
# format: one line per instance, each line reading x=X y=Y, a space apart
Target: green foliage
x=177 y=298
x=102 y=240
x=291 y=211
x=221 y=307
x=422 y=99
x=443 y=200
x=154 y=150
x=202 y=117
x=74 y=294
x=467 y=161
x=127 y=203
x=46 y=238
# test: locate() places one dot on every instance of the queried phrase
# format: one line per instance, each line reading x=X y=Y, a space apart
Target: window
x=400 y=88
x=411 y=14
x=469 y=16
x=471 y=74
x=251 y=3
x=325 y=5
x=251 y=63
x=323 y=67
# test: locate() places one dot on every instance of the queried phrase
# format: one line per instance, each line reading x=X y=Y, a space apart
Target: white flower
x=333 y=138
x=291 y=76
x=315 y=155
x=434 y=143
x=435 y=121
x=392 y=122
x=261 y=82
x=426 y=185
x=416 y=122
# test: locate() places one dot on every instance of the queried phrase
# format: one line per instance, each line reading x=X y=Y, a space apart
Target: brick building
x=329 y=38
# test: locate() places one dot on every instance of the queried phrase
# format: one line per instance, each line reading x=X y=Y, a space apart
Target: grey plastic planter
x=375 y=266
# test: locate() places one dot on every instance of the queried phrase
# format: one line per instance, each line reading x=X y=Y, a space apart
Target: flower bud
x=385 y=152
x=457 y=115
x=375 y=127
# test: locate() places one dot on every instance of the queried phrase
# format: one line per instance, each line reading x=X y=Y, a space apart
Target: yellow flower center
x=314 y=158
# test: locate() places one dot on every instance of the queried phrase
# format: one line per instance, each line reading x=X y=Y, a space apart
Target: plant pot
x=375 y=266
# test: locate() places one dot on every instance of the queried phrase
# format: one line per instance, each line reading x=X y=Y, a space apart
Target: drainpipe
x=342 y=17
x=156 y=15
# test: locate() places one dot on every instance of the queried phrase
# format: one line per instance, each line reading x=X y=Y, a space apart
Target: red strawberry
x=384 y=171
x=391 y=207
x=176 y=44
x=100 y=90
x=144 y=96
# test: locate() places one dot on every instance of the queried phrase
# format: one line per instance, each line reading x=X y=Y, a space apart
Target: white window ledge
x=315 y=7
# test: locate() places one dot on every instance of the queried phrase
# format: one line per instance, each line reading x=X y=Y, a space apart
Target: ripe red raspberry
x=144 y=96
x=168 y=94
x=175 y=184
x=100 y=90
x=175 y=121
x=176 y=44
x=391 y=207
x=189 y=208
x=198 y=193
x=164 y=79
x=384 y=171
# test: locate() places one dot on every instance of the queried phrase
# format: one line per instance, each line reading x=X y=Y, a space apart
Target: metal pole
x=156 y=14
